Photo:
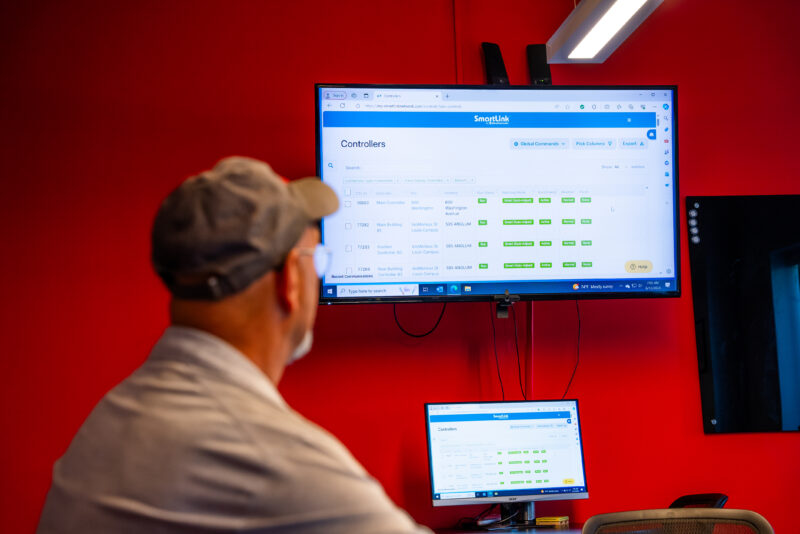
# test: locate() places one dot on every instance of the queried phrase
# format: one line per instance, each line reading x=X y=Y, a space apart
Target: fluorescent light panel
x=595 y=28
x=608 y=25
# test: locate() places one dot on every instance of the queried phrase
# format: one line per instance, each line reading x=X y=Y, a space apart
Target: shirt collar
x=205 y=349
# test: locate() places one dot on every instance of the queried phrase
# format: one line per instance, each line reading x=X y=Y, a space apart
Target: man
x=198 y=439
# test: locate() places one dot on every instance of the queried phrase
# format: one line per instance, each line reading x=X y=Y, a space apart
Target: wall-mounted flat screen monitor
x=744 y=253
x=512 y=451
x=467 y=192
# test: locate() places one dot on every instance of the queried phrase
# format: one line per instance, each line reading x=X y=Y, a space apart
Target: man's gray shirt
x=199 y=440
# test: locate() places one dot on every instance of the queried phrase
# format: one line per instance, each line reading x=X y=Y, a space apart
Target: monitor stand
x=515 y=516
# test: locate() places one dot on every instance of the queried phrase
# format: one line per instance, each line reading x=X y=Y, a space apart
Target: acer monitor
x=510 y=452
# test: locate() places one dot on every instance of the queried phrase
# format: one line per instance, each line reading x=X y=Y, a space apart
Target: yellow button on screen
x=639 y=266
x=569 y=481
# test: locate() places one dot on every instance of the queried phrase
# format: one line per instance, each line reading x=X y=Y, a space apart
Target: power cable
x=406 y=332
x=516 y=345
x=577 y=350
x=494 y=345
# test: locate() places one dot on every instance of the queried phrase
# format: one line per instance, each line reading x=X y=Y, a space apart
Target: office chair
x=679 y=521
x=701 y=500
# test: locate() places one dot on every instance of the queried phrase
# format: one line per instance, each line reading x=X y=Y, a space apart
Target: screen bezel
x=506 y=498
x=522 y=296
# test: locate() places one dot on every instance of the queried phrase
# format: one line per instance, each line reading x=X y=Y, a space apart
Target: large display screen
x=468 y=192
x=505 y=452
x=744 y=254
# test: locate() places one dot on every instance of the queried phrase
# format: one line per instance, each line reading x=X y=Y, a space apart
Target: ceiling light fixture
x=595 y=28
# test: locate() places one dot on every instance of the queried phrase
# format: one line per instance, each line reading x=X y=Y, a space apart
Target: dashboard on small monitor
x=510 y=451
x=465 y=192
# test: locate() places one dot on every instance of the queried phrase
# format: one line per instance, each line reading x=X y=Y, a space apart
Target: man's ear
x=287 y=284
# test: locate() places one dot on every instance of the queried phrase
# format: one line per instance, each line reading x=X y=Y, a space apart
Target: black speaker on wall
x=493 y=62
x=537 y=65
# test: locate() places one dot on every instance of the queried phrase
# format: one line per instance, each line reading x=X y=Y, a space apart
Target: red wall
x=107 y=105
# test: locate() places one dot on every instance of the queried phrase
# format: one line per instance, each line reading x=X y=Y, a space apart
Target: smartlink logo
x=491 y=120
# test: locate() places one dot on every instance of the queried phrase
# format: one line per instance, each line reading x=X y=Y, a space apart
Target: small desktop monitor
x=468 y=192
x=505 y=452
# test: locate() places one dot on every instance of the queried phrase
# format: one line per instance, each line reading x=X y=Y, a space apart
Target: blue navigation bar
x=450 y=418
x=458 y=119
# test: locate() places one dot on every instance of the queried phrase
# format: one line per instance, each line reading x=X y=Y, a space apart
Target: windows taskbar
x=458 y=289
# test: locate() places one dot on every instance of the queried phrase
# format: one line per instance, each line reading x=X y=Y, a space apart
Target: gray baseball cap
x=221 y=230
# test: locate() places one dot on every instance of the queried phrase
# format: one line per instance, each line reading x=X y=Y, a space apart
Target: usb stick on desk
x=560 y=521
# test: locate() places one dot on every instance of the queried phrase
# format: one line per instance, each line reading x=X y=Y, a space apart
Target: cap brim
x=315 y=198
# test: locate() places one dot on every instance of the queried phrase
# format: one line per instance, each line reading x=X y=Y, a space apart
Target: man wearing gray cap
x=198 y=439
